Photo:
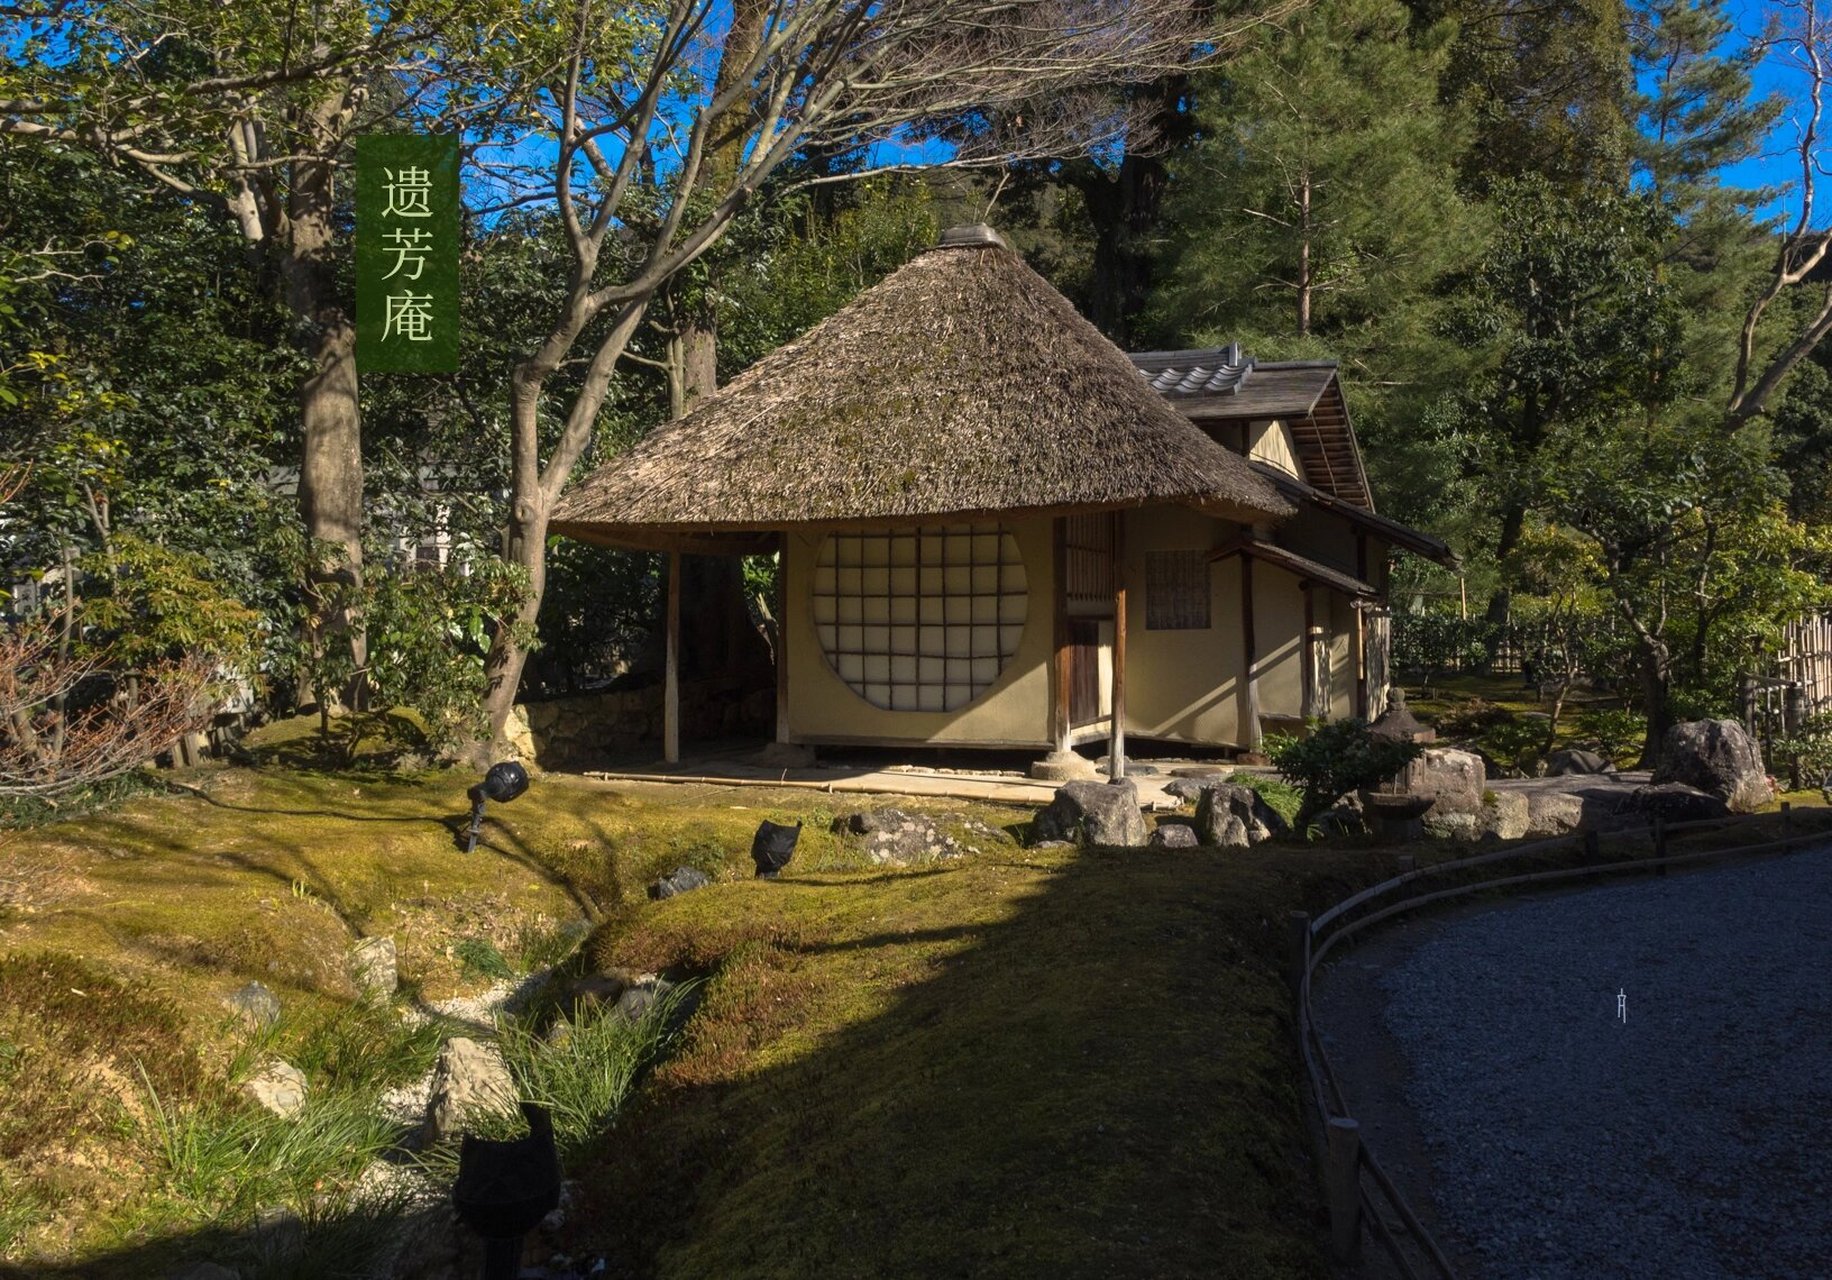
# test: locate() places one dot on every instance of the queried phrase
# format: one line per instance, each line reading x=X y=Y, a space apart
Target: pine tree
x=1546 y=84
x=1320 y=197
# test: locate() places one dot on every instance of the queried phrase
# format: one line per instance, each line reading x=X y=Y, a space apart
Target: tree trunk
x=1126 y=211
x=1304 y=266
x=1513 y=521
x=331 y=465
x=1656 y=686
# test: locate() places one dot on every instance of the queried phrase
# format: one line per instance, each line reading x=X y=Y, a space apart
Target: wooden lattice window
x=1176 y=590
x=1088 y=564
x=920 y=619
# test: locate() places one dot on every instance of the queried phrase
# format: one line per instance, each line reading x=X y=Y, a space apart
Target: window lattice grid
x=1176 y=590
x=920 y=619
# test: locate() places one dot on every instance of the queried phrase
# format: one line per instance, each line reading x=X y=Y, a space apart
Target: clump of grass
x=363 y=1046
x=221 y=1161
x=544 y=944
x=583 y=1077
x=20 y=1211
x=479 y=956
x=1284 y=799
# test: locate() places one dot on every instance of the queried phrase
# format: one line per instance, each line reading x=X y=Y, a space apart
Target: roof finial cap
x=973 y=235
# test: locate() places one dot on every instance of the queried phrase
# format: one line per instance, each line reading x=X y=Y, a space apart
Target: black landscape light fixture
x=502 y=784
x=504 y=1189
x=773 y=847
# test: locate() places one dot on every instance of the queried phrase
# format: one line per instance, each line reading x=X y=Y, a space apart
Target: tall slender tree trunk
x=331 y=464
x=722 y=639
x=1304 y=263
x=1656 y=690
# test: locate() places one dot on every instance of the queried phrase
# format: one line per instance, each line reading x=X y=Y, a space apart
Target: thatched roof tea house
x=995 y=531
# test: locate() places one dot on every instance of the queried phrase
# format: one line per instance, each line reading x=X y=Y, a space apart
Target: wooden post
x=1407 y=863
x=1297 y=950
x=1344 y=1177
x=1061 y=670
x=1660 y=843
x=671 y=687
x=1787 y=820
x=1591 y=853
x=782 y=639
x=1116 y=752
x=1249 y=675
x=1361 y=631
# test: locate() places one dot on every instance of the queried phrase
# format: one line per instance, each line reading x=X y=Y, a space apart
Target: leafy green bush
x=1809 y=750
x=1613 y=731
x=1335 y=759
x=1513 y=743
x=1469 y=718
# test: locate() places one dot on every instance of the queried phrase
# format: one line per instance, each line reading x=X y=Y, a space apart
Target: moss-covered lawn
x=1020 y=1062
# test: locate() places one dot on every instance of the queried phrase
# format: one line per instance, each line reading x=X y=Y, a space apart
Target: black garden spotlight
x=502 y=784
x=504 y=1189
x=772 y=848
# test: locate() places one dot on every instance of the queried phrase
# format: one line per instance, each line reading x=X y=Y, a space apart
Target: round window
x=920 y=619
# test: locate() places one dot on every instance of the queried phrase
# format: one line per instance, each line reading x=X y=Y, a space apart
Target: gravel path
x=1690 y=1142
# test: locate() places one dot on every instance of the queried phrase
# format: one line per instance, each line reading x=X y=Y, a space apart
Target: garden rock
x=1676 y=802
x=1509 y=816
x=896 y=838
x=1717 y=756
x=373 y=964
x=1456 y=825
x=1553 y=813
x=1228 y=815
x=278 y=1086
x=1096 y=813
x=256 y=1005
x=1455 y=779
x=680 y=880
x=470 y=1078
x=1567 y=762
x=1188 y=789
x=640 y=996
x=1174 y=835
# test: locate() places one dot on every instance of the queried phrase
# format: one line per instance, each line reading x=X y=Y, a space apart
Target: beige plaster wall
x=1181 y=685
x=1341 y=656
x=1014 y=711
x=1278 y=625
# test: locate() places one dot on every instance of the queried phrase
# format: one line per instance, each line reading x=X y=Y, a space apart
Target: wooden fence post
x=1297 y=955
x=1787 y=820
x=1591 y=853
x=1660 y=844
x=1344 y=1179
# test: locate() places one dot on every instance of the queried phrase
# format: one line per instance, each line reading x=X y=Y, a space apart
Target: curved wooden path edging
x=1360 y=1194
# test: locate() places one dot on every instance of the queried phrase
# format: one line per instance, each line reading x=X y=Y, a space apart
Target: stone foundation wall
x=569 y=730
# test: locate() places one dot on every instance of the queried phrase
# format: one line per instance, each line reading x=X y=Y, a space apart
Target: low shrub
x=1470 y=718
x=1613 y=731
x=1335 y=759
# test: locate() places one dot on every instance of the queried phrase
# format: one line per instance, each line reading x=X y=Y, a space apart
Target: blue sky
x=1777 y=165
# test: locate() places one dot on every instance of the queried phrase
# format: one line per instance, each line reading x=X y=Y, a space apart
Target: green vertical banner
x=407 y=240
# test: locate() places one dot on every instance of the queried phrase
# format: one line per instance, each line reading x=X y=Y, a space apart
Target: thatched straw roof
x=961 y=385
